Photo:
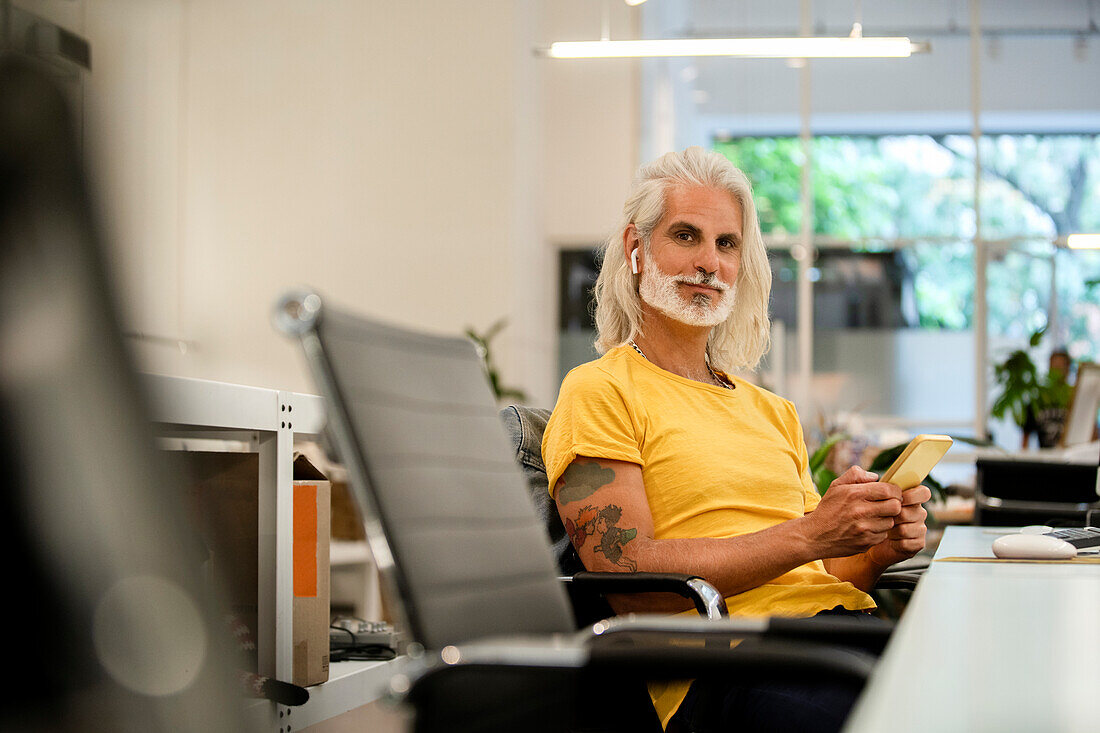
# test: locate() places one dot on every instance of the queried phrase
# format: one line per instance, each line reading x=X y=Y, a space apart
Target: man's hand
x=902 y=538
x=907 y=536
x=857 y=513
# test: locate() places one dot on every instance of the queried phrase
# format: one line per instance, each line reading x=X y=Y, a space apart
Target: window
x=893 y=275
x=894 y=270
x=885 y=188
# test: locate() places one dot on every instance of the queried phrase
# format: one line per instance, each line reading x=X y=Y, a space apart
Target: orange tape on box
x=305 y=541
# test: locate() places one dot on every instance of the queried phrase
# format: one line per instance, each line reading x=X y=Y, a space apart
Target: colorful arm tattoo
x=602 y=525
x=581 y=480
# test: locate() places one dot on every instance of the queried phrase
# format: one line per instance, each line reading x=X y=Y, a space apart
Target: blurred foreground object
x=116 y=628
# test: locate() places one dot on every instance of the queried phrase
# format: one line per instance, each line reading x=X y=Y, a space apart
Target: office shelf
x=200 y=404
x=269 y=420
x=349 y=552
x=350 y=685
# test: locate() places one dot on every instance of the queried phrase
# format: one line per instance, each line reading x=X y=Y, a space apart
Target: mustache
x=707 y=279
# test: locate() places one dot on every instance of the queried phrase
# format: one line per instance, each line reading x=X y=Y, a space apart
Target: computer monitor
x=1081 y=415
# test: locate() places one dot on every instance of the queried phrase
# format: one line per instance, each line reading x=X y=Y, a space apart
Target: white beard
x=662 y=292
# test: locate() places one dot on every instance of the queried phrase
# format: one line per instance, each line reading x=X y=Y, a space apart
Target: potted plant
x=823 y=475
x=877 y=460
x=1037 y=404
x=482 y=344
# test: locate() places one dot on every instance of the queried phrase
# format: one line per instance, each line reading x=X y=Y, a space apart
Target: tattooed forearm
x=581 y=480
x=602 y=525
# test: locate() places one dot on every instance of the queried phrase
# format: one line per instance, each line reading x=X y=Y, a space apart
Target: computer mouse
x=1032 y=547
x=1036 y=529
x=348 y=624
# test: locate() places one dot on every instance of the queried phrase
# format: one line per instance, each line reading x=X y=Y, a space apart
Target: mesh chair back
x=417 y=428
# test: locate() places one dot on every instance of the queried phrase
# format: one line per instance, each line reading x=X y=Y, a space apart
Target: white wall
x=411 y=160
x=367 y=151
x=592 y=124
x=371 y=150
x=591 y=143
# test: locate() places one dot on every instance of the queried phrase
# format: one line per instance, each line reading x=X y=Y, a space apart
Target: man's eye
x=684 y=237
x=727 y=243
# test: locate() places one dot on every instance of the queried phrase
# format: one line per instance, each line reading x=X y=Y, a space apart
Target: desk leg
x=275 y=633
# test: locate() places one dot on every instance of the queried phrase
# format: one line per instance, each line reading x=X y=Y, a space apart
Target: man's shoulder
x=762 y=395
x=612 y=367
x=757 y=390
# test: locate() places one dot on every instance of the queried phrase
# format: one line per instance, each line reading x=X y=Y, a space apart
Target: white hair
x=741 y=340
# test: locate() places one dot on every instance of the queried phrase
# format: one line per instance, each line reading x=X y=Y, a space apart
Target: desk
x=990 y=647
x=269 y=420
x=199 y=408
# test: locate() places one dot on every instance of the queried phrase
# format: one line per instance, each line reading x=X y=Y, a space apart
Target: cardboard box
x=312 y=497
x=346 y=522
x=224 y=490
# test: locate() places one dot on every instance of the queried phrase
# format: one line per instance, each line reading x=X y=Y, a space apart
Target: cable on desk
x=364 y=653
x=360 y=652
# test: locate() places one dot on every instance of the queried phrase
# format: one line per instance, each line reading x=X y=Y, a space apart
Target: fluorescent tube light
x=1083 y=241
x=745 y=47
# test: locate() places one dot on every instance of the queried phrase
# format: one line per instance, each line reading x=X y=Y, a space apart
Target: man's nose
x=707 y=259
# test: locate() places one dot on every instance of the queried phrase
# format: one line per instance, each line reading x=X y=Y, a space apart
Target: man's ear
x=632 y=248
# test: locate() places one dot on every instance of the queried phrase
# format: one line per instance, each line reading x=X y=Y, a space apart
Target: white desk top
x=200 y=403
x=990 y=647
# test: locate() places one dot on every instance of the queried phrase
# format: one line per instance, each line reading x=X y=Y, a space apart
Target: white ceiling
x=708 y=17
x=1038 y=70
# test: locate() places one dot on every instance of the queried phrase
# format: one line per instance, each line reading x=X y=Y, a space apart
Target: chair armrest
x=783 y=659
x=841 y=630
x=905 y=574
x=898 y=580
x=706 y=598
x=916 y=563
x=780 y=659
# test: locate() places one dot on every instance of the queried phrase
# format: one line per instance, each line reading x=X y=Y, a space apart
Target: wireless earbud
x=634 y=261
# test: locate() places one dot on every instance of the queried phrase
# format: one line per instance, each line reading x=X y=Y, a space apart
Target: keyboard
x=1079 y=537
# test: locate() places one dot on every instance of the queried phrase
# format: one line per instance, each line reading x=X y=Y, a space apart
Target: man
x=691 y=470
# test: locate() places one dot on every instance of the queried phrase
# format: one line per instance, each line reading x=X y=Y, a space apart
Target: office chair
x=1013 y=492
x=588 y=590
x=526 y=426
x=114 y=628
x=459 y=544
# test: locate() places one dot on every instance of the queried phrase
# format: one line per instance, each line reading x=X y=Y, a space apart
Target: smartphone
x=918 y=458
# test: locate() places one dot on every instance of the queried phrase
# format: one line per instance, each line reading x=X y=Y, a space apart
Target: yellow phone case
x=915 y=462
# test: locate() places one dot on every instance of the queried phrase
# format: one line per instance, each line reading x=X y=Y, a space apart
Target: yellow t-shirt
x=715 y=462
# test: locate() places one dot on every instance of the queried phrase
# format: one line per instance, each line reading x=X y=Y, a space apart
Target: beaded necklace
x=721 y=382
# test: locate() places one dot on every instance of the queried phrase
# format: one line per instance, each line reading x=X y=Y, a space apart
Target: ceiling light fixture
x=1083 y=241
x=797 y=47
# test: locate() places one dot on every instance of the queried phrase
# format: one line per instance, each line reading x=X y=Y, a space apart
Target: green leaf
x=819 y=456
x=886 y=457
x=481 y=343
x=980 y=442
x=495 y=329
x=822 y=477
x=937 y=489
